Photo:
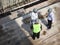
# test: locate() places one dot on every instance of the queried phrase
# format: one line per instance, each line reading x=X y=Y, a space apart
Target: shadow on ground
x=14 y=34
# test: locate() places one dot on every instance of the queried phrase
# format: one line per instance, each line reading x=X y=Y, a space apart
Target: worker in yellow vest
x=36 y=28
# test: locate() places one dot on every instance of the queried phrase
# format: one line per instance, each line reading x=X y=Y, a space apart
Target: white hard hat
x=50 y=10
x=35 y=10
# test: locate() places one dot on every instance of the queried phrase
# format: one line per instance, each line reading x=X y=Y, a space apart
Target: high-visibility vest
x=36 y=28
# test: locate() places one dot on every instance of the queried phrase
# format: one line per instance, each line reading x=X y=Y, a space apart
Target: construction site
x=15 y=22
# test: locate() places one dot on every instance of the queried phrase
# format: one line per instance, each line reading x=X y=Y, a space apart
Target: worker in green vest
x=36 y=28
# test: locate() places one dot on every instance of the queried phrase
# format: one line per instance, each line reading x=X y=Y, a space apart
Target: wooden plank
x=20 y=0
x=4 y=3
x=11 y=2
x=16 y=1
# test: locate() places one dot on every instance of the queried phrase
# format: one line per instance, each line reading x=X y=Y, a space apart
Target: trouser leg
x=38 y=35
x=34 y=34
x=49 y=24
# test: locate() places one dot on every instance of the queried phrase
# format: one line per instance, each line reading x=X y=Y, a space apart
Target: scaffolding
x=8 y=5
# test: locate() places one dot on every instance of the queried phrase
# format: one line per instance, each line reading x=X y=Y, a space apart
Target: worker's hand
x=46 y=14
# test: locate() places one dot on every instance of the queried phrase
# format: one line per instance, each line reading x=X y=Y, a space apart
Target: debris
x=44 y=32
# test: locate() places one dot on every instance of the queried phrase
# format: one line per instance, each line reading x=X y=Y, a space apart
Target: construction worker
x=36 y=28
x=34 y=16
x=50 y=18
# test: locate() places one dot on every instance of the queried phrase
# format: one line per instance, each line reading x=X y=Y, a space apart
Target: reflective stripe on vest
x=36 y=28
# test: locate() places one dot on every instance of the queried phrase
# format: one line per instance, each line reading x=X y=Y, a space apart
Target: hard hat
x=35 y=10
x=50 y=10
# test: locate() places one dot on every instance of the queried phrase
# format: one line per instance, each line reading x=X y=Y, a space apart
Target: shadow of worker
x=26 y=26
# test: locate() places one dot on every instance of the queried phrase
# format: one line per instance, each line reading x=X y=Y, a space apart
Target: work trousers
x=49 y=24
x=33 y=21
x=36 y=35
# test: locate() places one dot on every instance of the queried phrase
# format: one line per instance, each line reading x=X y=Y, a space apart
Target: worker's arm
x=41 y=27
x=46 y=14
x=31 y=26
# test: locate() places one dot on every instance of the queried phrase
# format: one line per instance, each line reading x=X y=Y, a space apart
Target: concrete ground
x=16 y=32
